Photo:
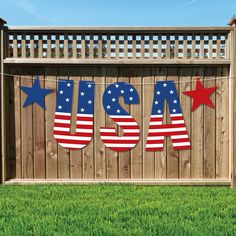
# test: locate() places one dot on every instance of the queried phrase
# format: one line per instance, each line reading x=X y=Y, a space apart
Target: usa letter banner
x=165 y=94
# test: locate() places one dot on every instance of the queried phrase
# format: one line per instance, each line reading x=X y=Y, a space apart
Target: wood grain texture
x=51 y=144
x=76 y=164
x=161 y=157
x=210 y=128
x=124 y=157
x=27 y=129
x=88 y=151
x=63 y=153
x=197 y=123
x=38 y=155
x=99 y=121
x=222 y=124
x=136 y=112
x=147 y=100
x=17 y=116
x=185 y=101
x=39 y=134
x=112 y=157
x=172 y=155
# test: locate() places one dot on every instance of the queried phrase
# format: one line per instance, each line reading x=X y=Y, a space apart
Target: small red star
x=201 y=95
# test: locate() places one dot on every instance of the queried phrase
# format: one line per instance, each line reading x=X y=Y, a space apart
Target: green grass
x=117 y=210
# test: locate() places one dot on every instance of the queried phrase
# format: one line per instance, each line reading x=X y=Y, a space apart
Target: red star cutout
x=201 y=95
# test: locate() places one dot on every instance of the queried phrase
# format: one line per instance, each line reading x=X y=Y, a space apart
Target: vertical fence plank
x=63 y=153
x=112 y=157
x=88 y=151
x=197 y=127
x=160 y=156
x=172 y=155
x=136 y=112
x=124 y=157
x=27 y=128
x=185 y=101
x=17 y=116
x=210 y=129
x=51 y=144
x=39 y=135
x=76 y=164
x=222 y=123
x=147 y=99
x=99 y=121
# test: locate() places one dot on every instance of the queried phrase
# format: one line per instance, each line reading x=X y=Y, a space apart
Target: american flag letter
x=131 y=131
x=84 y=119
x=166 y=90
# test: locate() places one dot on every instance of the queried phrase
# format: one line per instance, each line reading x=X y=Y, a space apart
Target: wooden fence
x=140 y=56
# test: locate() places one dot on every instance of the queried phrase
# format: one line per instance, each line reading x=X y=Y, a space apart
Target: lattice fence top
x=121 y=43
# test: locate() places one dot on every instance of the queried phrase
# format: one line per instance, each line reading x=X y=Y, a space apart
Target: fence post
x=233 y=106
x=3 y=100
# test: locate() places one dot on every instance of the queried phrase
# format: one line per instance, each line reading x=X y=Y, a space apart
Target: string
x=176 y=82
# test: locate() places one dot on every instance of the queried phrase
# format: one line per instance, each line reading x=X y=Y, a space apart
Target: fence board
x=17 y=107
x=76 y=164
x=112 y=157
x=27 y=129
x=51 y=144
x=222 y=124
x=136 y=112
x=209 y=128
x=185 y=155
x=197 y=150
x=63 y=153
x=124 y=157
x=172 y=155
x=147 y=99
x=160 y=157
x=88 y=151
x=99 y=121
x=39 y=136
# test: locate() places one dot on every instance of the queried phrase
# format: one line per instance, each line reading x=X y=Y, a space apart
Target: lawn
x=117 y=210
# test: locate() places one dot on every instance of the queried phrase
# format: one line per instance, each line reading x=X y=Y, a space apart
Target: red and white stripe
x=130 y=138
x=176 y=130
x=83 y=134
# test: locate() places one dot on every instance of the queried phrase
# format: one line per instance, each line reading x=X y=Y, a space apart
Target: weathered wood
x=112 y=157
x=88 y=151
x=166 y=182
x=51 y=144
x=172 y=155
x=99 y=121
x=161 y=157
x=136 y=112
x=210 y=128
x=147 y=99
x=135 y=55
x=3 y=105
x=39 y=134
x=76 y=164
x=233 y=102
x=124 y=157
x=197 y=125
x=63 y=153
x=222 y=123
x=27 y=128
x=185 y=155
x=17 y=121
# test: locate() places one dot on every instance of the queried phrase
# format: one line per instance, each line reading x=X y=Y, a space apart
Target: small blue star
x=35 y=94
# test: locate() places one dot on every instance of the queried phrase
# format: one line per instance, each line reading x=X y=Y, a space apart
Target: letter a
x=166 y=90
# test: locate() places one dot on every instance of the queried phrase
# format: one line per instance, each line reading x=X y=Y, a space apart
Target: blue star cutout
x=35 y=94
